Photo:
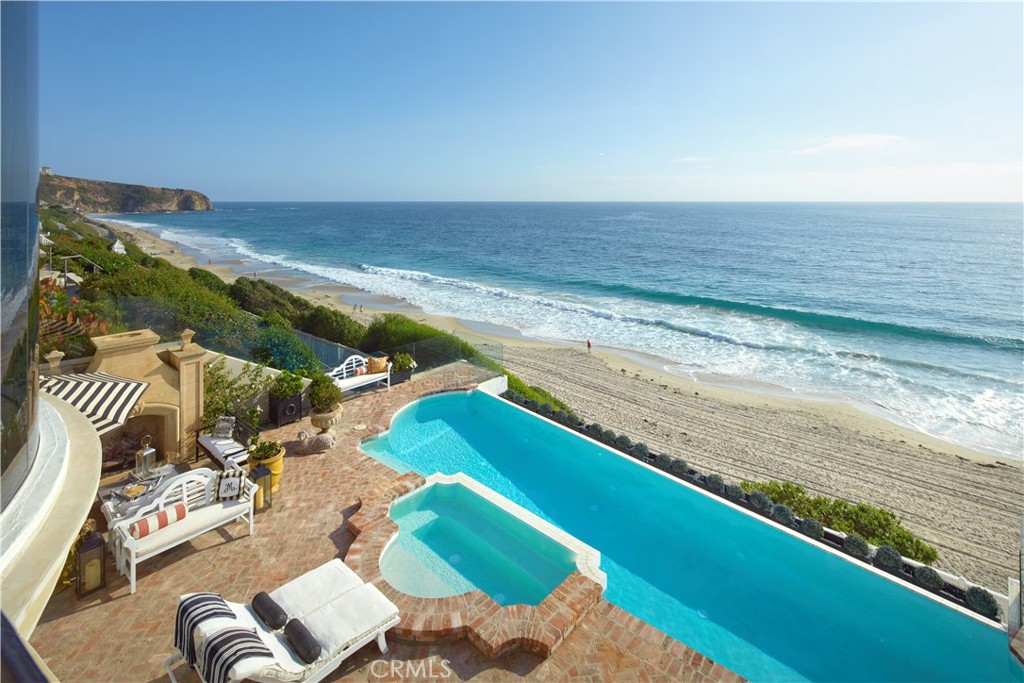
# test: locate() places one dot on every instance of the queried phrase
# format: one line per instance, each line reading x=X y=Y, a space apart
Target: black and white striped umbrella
x=105 y=399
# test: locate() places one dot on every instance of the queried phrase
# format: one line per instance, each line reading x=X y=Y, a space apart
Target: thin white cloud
x=693 y=160
x=851 y=142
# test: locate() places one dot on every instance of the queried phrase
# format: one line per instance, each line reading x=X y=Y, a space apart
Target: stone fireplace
x=171 y=408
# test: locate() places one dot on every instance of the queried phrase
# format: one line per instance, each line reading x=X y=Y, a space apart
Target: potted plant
x=402 y=366
x=325 y=398
x=286 y=398
x=271 y=454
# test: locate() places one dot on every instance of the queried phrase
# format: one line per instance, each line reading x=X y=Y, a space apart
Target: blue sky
x=538 y=101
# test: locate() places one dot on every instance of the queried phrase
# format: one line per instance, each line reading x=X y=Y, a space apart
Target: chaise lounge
x=339 y=611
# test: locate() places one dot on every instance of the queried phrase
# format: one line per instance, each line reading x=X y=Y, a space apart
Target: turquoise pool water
x=451 y=541
x=765 y=604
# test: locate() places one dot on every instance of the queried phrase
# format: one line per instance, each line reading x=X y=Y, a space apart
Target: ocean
x=911 y=311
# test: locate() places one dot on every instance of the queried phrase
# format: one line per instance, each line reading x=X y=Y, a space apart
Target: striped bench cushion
x=147 y=525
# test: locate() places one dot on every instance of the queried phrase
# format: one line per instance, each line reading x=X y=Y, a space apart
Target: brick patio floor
x=114 y=636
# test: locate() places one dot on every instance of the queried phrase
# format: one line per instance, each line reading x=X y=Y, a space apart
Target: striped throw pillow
x=147 y=525
x=361 y=370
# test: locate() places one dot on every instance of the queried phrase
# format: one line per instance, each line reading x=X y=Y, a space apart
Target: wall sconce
x=264 y=493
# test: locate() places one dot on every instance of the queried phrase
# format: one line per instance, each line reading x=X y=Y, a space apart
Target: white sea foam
x=700 y=339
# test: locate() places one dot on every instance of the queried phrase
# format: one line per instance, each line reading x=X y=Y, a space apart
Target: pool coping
x=495 y=630
x=791 y=532
x=1002 y=628
x=588 y=559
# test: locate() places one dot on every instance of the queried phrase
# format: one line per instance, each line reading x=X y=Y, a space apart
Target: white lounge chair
x=340 y=611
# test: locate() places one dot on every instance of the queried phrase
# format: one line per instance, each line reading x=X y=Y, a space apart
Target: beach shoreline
x=348 y=300
x=965 y=503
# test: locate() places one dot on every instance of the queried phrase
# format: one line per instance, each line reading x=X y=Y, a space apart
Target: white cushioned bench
x=197 y=490
x=352 y=374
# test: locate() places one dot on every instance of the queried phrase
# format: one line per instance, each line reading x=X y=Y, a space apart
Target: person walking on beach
x=588 y=346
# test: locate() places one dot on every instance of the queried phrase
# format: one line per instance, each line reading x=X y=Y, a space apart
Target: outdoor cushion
x=197 y=519
x=375 y=365
x=317 y=587
x=158 y=520
x=342 y=622
x=230 y=484
x=269 y=611
x=302 y=641
x=224 y=427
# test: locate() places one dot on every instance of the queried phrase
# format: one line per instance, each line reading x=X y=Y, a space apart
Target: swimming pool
x=768 y=605
x=455 y=536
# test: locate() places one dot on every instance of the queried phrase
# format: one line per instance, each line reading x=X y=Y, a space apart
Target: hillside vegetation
x=250 y=318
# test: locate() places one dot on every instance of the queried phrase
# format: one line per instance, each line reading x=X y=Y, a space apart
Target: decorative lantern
x=92 y=564
x=265 y=493
x=145 y=459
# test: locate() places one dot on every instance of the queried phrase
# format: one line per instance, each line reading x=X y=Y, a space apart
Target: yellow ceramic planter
x=275 y=465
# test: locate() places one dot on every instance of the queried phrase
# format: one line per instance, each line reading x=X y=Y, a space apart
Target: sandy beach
x=966 y=504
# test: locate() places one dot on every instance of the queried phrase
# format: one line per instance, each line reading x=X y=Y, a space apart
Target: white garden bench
x=352 y=374
x=197 y=490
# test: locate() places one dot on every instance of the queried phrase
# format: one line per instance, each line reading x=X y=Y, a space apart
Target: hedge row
x=885 y=557
x=878 y=526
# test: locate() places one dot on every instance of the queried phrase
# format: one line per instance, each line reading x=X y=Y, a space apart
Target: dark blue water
x=912 y=309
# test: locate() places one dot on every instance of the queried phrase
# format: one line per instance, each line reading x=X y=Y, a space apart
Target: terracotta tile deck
x=115 y=636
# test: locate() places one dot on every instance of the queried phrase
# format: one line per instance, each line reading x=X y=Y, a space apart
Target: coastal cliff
x=98 y=196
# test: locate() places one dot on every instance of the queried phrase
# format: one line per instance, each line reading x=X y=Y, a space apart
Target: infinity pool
x=765 y=604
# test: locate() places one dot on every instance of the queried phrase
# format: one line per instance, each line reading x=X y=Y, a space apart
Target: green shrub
x=640 y=451
x=982 y=602
x=282 y=348
x=674 y=465
x=323 y=394
x=286 y=385
x=262 y=297
x=209 y=280
x=594 y=431
x=402 y=362
x=735 y=492
x=546 y=410
x=855 y=545
x=813 y=528
x=715 y=484
x=333 y=325
x=888 y=558
x=623 y=442
x=761 y=502
x=783 y=515
x=878 y=526
x=167 y=300
x=236 y=395
x=928 y=578
x=608 y=437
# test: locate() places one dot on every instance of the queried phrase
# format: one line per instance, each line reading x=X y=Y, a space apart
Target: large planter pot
x=324 y=421
x=275 y=465
x=285 y=410
x=401 y=376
